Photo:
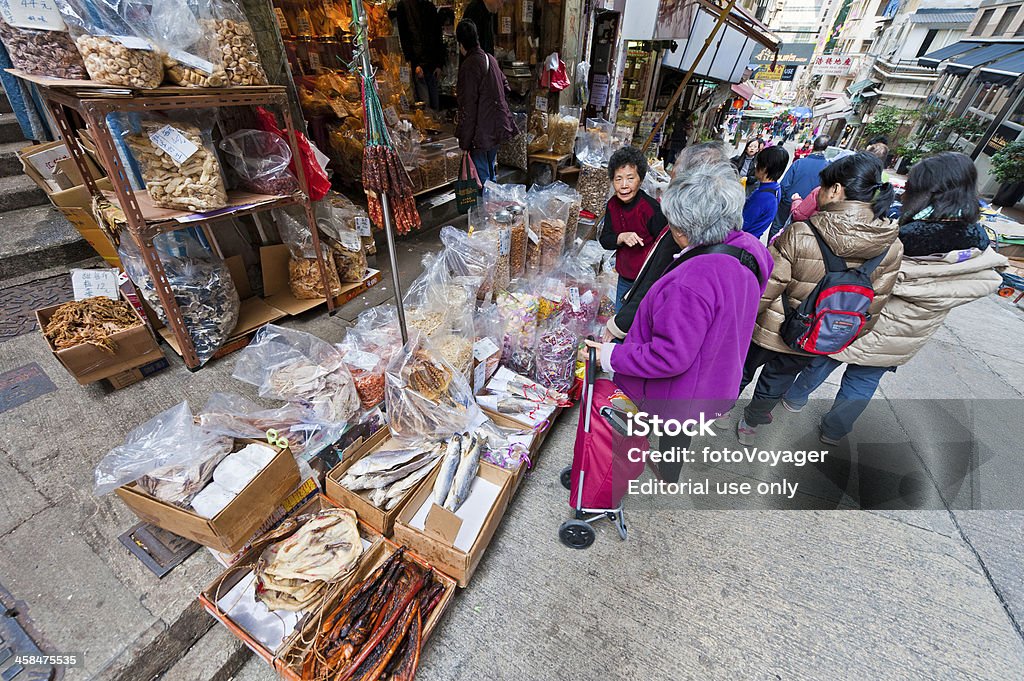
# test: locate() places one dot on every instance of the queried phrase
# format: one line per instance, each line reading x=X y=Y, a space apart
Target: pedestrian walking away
x=799 y=181
x=678 y=364
x=852 y=226
x=484 y=119
x=763 y=203
x=633 y=220
x=947 y=262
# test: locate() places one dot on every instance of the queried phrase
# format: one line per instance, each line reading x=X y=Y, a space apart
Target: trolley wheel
x=1006 y=292
x=576 y=534
x=566 y=477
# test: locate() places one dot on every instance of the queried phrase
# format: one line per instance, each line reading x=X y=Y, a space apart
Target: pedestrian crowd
x=809 y=269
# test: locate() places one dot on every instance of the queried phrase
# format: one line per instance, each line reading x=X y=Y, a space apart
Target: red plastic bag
x=554 y=76
x=316 y=177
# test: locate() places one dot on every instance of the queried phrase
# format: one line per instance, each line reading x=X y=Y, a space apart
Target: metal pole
x=389 y=230
x=723 y=15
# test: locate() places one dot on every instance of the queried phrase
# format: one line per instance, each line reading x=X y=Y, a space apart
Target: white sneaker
x=745 y=433
x=789 y=406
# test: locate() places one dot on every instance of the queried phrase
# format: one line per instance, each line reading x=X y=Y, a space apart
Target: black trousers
x=778 y=372
x=669 y=470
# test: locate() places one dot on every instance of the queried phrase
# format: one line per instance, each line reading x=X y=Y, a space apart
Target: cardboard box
x=134 y=348
x=51 y=167
x=235 y=524
x=133 y=376
x=212 y=596
x=436 y=541
x=379 y=519
x=278 y=294
x=288 y=663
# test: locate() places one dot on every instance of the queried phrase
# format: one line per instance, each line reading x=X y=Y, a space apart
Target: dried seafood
x=426 y=375
x=293 y=573
x=305 y=281
x=387 y=475
x=375 y=630
x=329 y=393
x=457 y=351
x=179 y=484
x=91 y=321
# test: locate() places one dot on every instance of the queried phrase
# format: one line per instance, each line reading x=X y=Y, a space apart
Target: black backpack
x=745 y=258
x=835 y=312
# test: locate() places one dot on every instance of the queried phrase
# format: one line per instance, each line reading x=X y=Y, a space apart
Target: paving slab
x=998 y=539
x=19 y=501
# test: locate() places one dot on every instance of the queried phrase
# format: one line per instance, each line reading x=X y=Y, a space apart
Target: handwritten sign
x=92 y=283
x=41 y=15
x=506 y=25
x=173 y=143
x=527 y=11
x=541 y=103
x=363 y=226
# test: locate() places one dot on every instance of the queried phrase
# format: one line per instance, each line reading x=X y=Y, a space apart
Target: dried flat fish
x=469 y=464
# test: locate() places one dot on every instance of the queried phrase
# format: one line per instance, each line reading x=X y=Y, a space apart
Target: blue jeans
x=621 y=289
x=426 y=89
x=484 y=162
x=856 y=389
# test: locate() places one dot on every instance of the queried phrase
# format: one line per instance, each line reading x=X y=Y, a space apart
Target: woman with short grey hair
x=684 y=353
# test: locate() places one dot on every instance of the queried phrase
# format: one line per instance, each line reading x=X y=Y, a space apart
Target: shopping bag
x=467 y=187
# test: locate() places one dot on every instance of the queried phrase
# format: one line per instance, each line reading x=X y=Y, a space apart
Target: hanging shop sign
x=798 y=54
x=833 y=64
x=777 y=73
x=1003 y=135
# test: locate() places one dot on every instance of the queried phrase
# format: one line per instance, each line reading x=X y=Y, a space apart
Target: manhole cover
x=17 y=650
x=19 y=303
x=159 y=550
x=22 y=385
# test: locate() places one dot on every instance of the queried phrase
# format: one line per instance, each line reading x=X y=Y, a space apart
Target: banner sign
x=799 y=54
x=833 y=64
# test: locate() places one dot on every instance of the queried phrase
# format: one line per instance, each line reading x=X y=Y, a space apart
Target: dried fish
x=469 y=464
x=449 y=466
x=90 y=321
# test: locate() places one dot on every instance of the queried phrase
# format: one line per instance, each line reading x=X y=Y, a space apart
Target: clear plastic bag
x=304 y=277
x=471 y=255
x=513 y=152
x=191 y=55
x=355 y=217
x=519 y=310
x=178 y=160
x=298 y=367
x=557 y=343
x=490 y=334
x=170 y=456
x=229 y=29
x=378 y=331
x=505 y=205
x=573 y=202
x=537 y=139
x=656 y=180
x=426 y=396
x=261 y=161
x=594 y=186
x=367 y=368
x=562 y=129
x=548 y=216
x=115 y=39
x=201 y=284
x=349 y=256
x=42 y=52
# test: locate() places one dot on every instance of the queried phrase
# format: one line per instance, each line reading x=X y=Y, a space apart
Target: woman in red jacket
x=484 y=118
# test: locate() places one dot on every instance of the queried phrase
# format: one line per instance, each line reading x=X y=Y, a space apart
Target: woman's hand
x=794 y=198
x=584 y=354
x=630 y=239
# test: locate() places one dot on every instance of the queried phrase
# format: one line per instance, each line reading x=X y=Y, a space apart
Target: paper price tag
x=506 y=25
x=91 y=283
x=314 y=61
x=527 y=11
x=41 y=15
x=532 y=235
x=173 y=143
x=132 y=42
x=303 y=24
x=183 y=57
x=391 y=116
x=405 y=73
x=504 y=242
x=574 y=298
x=350 y=241
x=479 y=377
x=363 y=226
x=282 y=22
x=483 y=349
x=541 y=103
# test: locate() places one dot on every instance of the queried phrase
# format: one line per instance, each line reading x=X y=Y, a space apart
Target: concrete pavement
x=691 y=594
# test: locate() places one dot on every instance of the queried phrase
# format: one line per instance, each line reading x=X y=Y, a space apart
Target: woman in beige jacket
x=947 y=262
x=852 y=202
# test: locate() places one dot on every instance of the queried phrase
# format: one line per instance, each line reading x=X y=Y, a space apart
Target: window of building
x=929 y=38
x=1009 y=14
x=986 y=16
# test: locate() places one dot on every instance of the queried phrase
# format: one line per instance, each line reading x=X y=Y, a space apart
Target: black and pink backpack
x=835 y=313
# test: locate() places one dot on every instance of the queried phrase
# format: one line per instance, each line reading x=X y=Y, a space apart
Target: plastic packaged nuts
x=43 y=53
x=108 y=60
x=594 y=186
x=238 y=51
x=193 y=73
x=194 y=184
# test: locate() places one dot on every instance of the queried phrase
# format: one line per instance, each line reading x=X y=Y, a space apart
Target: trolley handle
x=591 y=363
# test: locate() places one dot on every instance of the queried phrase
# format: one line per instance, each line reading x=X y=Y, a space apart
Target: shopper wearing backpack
x=947 y=262
x=810 y=308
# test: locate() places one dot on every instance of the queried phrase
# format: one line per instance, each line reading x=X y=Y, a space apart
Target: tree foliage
x=1008 y=163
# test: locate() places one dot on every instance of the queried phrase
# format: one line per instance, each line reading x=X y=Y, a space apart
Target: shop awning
x=943 y=17
x=968 y=61
x=933 y=59
x=860 y=85
x=832 y=107
x=743 y=90
x=1005 y=71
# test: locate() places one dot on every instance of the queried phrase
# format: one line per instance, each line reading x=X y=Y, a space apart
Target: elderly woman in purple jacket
x=684 y=353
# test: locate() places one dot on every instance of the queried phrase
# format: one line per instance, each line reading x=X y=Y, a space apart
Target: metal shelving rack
x=94 y=105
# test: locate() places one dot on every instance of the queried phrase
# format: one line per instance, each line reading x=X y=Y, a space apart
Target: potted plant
x=1008 y=168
